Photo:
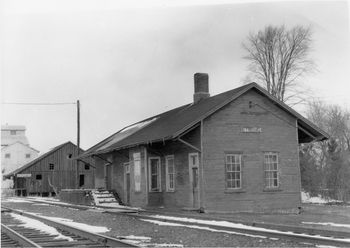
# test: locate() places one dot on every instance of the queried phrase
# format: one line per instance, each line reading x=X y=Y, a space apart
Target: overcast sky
x=126 y=62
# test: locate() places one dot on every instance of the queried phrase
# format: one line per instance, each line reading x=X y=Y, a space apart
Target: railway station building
x=235 y=151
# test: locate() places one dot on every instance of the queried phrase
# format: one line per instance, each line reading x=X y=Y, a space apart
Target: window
x=38 y=177
x=233 y=171
x=170 y=173
x=87 y=167
x=27 y=155
x=137 y=171
x=7 y=155
x=70 y=155
x=271 y=169
x=154 y=173
x=51 y=166
x=13 y=132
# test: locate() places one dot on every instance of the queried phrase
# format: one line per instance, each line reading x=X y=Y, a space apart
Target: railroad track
x=16 y=233
x=295 y=233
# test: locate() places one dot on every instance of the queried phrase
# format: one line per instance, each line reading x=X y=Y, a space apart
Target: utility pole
x=78 y=142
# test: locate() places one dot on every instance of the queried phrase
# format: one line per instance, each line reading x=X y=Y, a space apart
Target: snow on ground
x=48 y=200
x=162 y=223
x=83 y=226
x=143 y=241
x=326 y=246
x=240 y=226
x=69 y=222
x=327 y=224
x=38 y=225
x=15 y=199
x=306 y=198
x=41 y=204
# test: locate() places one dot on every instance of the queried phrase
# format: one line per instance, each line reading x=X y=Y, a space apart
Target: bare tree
x=328 y=160
x=278 y=57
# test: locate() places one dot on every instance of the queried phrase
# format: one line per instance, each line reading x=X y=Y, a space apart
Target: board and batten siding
x=223 y=133
x=63 y=176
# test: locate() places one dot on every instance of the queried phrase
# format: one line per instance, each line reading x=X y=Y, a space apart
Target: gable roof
x=171 y=124
x=3 y=148
x=26 y=166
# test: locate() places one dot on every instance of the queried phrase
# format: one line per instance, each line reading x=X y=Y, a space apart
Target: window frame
x=38 y=175
x=51 y=166
x=234 y=165
x=167 y=177
x=137 y=171
x=27 y=155
x=13 y=132
x=7 y=155
x=267 y=169
x=159 y=184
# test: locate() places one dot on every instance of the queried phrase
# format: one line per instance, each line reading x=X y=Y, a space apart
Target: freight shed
x=53 y=171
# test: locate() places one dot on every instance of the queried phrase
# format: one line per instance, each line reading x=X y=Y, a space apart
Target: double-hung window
x=170 y=173
x=154 y=174
x=271 y=170
x=233 y=171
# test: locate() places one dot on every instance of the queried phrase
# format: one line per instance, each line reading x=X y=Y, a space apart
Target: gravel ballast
x=122 y=225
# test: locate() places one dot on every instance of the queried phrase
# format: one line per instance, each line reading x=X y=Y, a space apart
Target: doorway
x=193 y=165
x=127 y=183
x=81 y=180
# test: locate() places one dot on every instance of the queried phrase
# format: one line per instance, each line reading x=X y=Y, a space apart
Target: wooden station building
x=235 y=151
x=54 y=171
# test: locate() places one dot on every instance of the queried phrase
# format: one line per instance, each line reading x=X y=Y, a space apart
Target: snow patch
x=327 y=224
x=41 y=204
x=14 y=199
x=69 y=222
x=243 y=227
x=306 y=198
x=83 y=226
x=326 y=246
x=162 y=223
x=143 y=241
x=38 y=225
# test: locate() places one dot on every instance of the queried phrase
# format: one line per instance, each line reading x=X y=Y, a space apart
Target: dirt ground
x=122 y=225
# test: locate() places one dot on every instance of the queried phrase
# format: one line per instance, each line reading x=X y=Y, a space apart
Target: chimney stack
x=201 y=87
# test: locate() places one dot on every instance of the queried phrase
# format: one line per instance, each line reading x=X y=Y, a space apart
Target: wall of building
x=12 y=134
x=116 y=176
x=18 y=157
x=222 y=132
x=63 y=176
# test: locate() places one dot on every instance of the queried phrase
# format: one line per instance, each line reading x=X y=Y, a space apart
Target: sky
x=129 y=60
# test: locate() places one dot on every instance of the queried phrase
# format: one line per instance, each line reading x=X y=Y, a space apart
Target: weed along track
x=23 y=229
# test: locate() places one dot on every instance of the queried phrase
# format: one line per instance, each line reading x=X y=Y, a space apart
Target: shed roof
x=171 y=124
x=31 y=163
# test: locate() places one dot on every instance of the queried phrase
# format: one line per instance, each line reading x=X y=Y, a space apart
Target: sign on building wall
x=251 y=129
x=137 y=171
x=24 y=175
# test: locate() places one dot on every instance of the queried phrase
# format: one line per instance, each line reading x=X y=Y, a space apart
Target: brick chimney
x=201 y=87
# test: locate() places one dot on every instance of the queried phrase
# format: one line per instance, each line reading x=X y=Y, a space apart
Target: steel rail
x=299 y=237
x=296 y=233
x=18 y=237
x=103 y=239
